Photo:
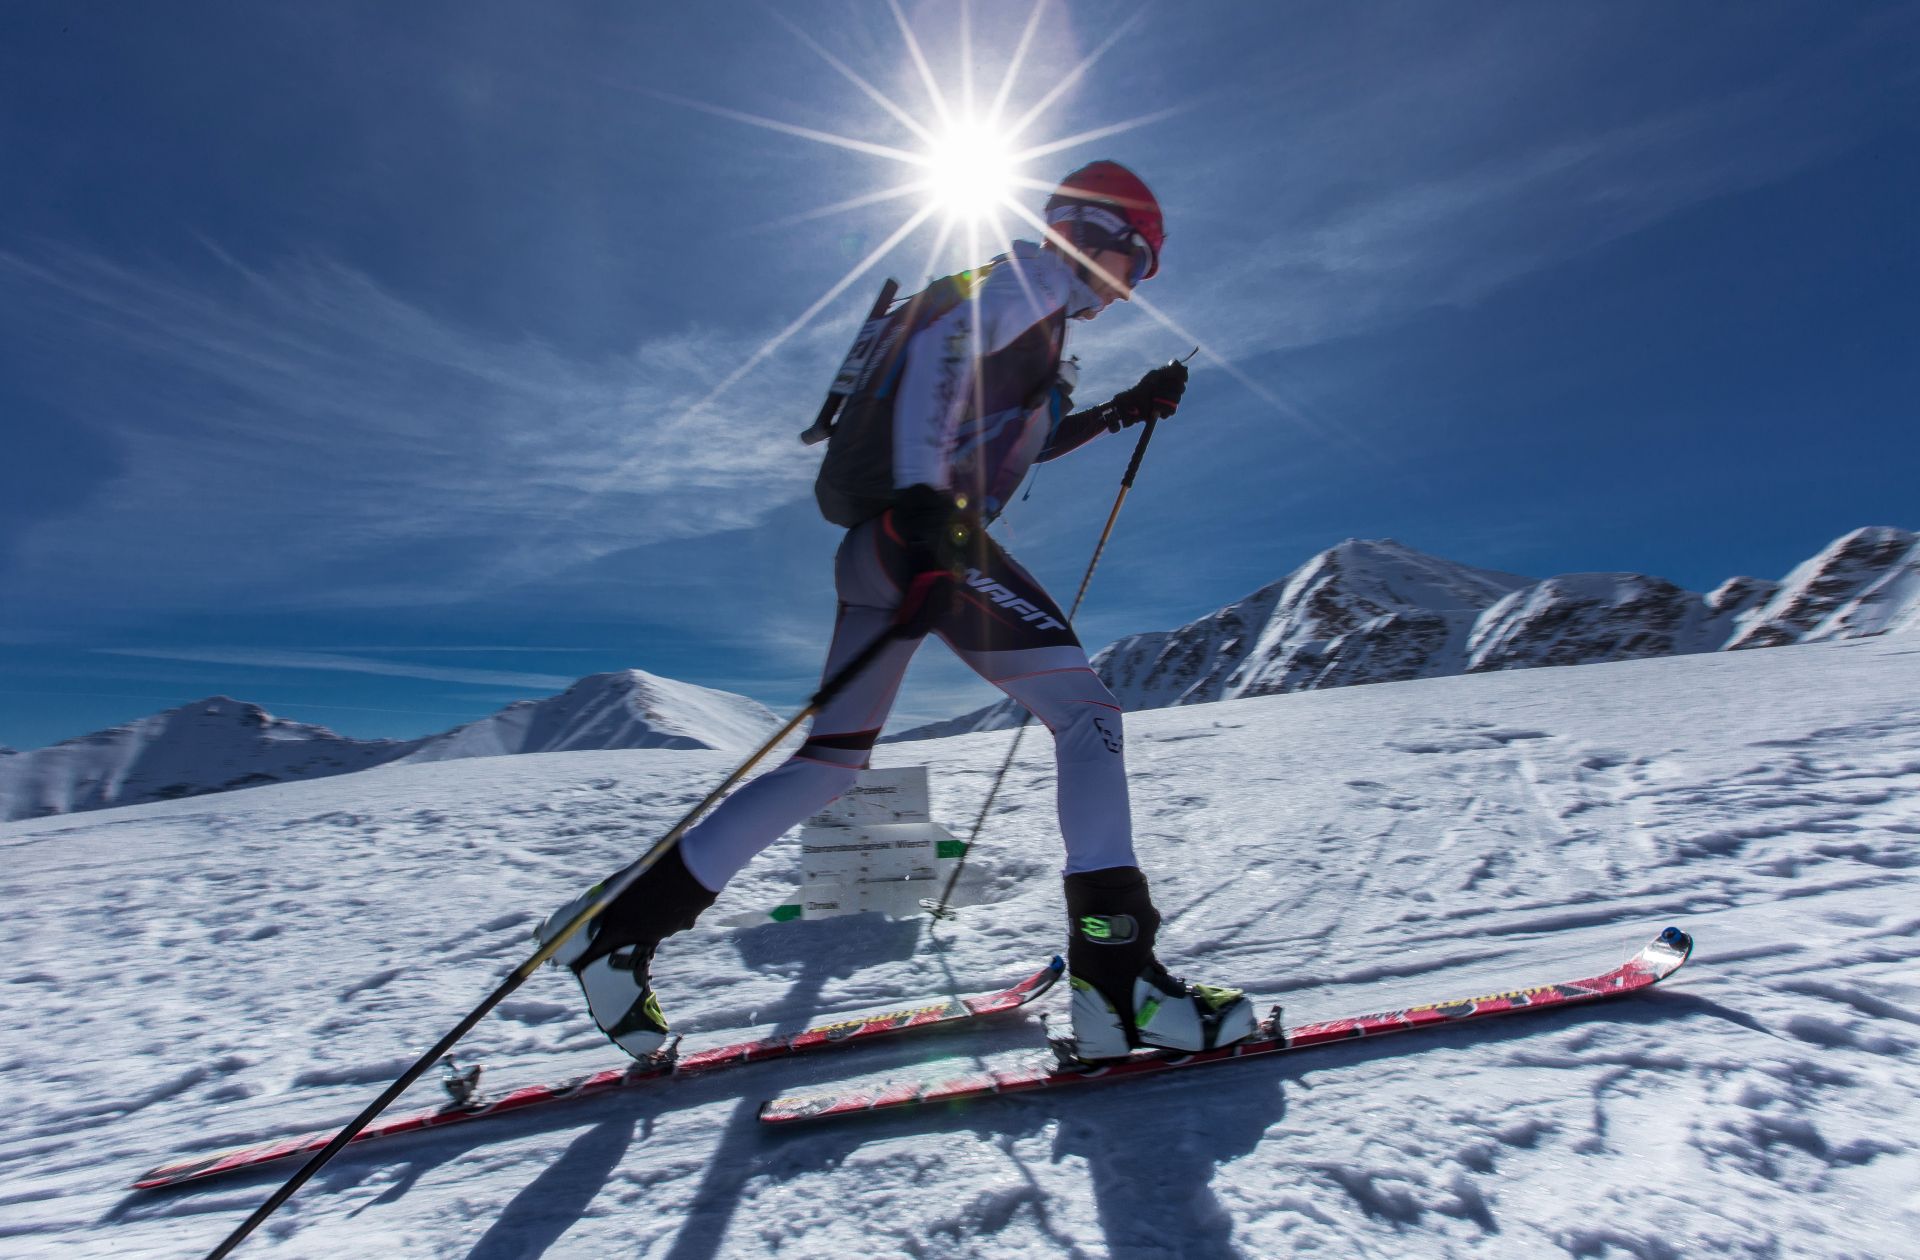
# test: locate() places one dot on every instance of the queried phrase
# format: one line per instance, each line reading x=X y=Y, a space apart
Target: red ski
x=469 y=1105
x=1644 y=970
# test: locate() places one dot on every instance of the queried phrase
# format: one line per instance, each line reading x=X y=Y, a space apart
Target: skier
x=977 y=396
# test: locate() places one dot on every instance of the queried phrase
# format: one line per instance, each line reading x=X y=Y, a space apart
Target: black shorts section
x=854 y=741
x=997 y=607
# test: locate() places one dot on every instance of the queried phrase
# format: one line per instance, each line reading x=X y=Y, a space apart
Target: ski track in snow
x=196 y=974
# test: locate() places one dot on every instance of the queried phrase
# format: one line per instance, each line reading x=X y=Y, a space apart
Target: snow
x=194 y=974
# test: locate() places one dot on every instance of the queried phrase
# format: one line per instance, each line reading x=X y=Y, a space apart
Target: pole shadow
x=1151 y=1164
x=815 y=952
x=554 y=1202
x=1152 y=1148
x=1150 y=1156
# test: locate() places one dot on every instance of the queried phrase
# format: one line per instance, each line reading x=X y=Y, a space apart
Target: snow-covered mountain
x=218 y=744
x=1866 y=583
x=629 y=709
x=211 y=745
x=1379 y=611
x=1361 y=612
x=268 y=960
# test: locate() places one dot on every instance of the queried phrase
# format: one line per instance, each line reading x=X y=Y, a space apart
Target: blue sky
x=360 y=359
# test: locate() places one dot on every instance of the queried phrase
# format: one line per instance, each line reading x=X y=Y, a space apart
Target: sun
x=968 y=175
x=972 y=169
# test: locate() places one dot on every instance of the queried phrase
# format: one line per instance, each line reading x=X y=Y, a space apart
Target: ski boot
x=612 y=956
x=1123 y=999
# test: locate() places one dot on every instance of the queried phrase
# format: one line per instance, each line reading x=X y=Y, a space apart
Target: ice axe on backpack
x=850 y=376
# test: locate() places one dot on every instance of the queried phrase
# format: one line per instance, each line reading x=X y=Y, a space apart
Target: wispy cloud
x=280 y=659
x=1472 y=164
x=453 y=648
x=302 y=706
x=300 y=428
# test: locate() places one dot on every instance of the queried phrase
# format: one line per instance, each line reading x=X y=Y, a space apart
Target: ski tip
x=1057 y=966
x=1667 y=953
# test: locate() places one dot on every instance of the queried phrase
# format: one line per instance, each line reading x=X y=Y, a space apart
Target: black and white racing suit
x=977 y=407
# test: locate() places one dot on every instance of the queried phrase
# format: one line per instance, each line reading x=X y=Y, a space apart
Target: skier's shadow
x=1150 y=1154
x=816 y=952
x=554 y=1201
x=1151 y=1163
x=1150 y=1158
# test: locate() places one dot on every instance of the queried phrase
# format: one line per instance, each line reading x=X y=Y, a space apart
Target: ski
x=469 y=1104
x=1651 y=965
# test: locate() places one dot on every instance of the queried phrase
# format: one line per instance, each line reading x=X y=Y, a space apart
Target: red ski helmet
x=1111 y=187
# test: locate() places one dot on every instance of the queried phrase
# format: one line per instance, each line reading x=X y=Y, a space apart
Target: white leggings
x=1003 y=625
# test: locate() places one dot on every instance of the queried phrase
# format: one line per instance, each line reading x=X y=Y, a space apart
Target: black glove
x=1156 y=397
x=936 y=533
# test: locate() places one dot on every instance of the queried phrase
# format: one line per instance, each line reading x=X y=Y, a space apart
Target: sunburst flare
x=969 y=167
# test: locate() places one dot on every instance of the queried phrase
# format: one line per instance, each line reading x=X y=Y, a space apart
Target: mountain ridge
x=1362 y=611
x=1366 y=611
x=220 y=744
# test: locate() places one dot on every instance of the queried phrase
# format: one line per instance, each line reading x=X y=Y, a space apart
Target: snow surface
x=194 y=974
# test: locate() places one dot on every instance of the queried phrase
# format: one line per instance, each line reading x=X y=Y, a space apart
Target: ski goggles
x=1139 y=255
x=1095 y=230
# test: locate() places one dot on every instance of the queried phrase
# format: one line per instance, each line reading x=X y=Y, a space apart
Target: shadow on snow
x=1151 y=1148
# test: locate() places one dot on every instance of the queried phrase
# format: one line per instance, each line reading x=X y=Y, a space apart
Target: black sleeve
x=1078 y=429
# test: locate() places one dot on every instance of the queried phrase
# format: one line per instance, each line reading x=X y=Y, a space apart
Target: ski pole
x=615 y=887
x=939 y=908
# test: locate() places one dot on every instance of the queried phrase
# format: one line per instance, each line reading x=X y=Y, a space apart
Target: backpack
x=856 y=476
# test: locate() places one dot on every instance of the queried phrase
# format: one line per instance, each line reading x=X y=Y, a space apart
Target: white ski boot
x=619 y=995
x=1123 y=999
x=1168 y=1014
x=612 y=956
